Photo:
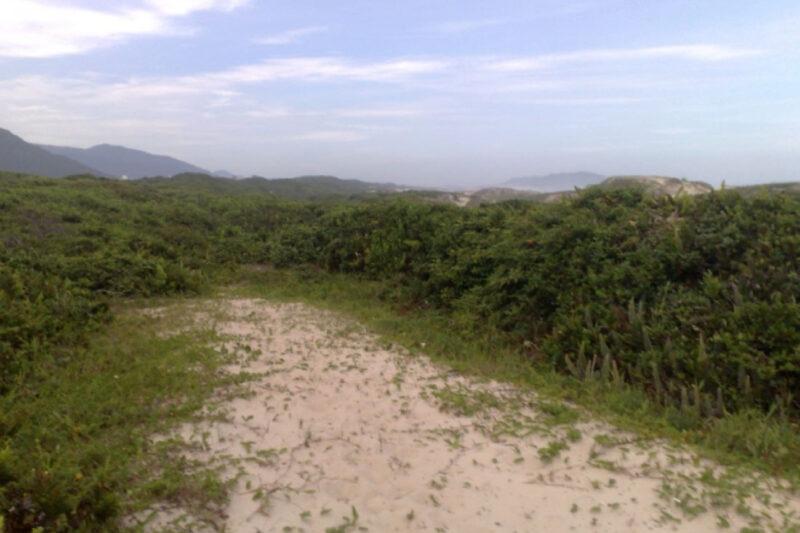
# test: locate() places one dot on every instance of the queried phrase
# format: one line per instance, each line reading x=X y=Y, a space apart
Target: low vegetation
x=684 y=310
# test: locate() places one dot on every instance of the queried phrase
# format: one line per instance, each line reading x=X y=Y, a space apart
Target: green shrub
x=693 y=299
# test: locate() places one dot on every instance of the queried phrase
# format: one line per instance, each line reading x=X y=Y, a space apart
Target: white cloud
x=219 y=90
x=46 y=28
x=221 y=84
x=692 y=52
x=257 y=100
x=448 y=75
x=290 y=36
x=324 y=68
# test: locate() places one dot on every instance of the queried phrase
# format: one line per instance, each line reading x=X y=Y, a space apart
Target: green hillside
x=16 y=155
x=300 y=188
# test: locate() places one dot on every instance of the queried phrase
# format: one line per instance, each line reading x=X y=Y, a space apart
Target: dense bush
x=38 y=315
x=67 y=246
x=694 y=299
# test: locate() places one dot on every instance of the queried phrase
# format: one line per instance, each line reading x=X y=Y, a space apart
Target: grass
x=463 y=402
x=774 y=448
x=553 y=449
x=79 y=437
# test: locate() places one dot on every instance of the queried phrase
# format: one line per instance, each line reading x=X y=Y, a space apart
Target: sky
x=421 y=92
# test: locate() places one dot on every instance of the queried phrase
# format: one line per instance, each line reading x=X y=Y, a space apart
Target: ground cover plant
x=688 y=304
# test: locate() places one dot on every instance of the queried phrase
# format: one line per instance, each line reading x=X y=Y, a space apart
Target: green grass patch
x=77 y=451
x=465 y=402
x=558 y=414
x=553 y=449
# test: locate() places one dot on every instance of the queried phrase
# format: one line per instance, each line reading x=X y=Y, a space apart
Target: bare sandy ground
x=341 y=432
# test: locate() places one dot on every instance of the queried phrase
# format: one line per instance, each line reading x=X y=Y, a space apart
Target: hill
x=659 y=185
x=17 y=155
x=565 y=181
x=119 y=161
x=310 y=187
x=299 y=188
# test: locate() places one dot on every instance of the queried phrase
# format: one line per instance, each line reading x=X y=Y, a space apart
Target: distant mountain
x=565 y=181
x=16 y=155
x=119 y=161
x=300 y=188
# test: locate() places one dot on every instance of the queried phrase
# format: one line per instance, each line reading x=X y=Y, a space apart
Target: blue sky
x=435 y=92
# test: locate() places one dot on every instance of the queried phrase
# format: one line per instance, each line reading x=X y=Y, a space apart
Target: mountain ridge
x=18 y=155
x=121 y=161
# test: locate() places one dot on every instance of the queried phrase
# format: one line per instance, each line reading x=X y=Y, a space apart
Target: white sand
x=337 y=423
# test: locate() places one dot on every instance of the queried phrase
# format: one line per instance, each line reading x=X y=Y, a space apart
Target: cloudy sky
x=434 y=92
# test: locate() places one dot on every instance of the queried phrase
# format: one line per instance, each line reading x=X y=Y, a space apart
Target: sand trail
x=339 y=431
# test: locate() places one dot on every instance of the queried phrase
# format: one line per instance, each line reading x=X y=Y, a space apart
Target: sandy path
x=340 y=431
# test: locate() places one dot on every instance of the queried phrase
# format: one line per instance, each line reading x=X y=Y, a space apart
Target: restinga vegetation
x=692 y=302
x=691 y=297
